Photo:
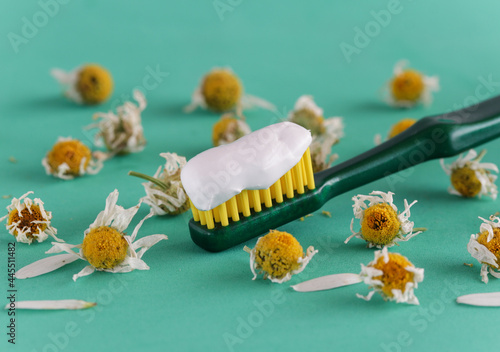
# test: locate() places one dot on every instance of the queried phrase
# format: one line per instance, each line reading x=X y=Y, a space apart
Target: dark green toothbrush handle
x=430 y=138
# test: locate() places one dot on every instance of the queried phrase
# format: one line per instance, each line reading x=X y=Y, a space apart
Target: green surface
x=192 y=299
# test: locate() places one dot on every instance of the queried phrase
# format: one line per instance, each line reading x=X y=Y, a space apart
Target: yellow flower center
x=307 y=119
x=394 y=276
x=278 y=253
x=465 y=181
x=493 y=245
x=380 y=224
x=26 y=221
x=401 y=126
x=224 y=128
x=222 y=90
x=94 y=84
x=408 y=86
x=70 y=152
x=104 y=247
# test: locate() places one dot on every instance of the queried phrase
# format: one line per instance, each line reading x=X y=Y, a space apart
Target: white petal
x=491 y=299
x=135 y=263
x=53 y=304
x=45 y=265
x=147 y=242
x=89 y=269
x=327 y=282
x=138 y=226
x=367 y=297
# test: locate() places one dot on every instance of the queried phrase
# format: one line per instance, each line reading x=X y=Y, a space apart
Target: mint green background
x=191 y=299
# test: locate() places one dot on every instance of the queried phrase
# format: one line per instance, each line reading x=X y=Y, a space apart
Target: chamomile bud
x=121 y=133
x=220 y=90
x=485 y=247
x=393 y=276
x=470 y=177
x=228 y=129
x=397 y=128
x=278 y=255
x=70 y=158
x=164 y=192
x=325 y=132
x=381 y=224
x=409 y=87
x=28 y=221
x=88 y=84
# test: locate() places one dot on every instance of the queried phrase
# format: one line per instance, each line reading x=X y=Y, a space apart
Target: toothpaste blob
x=255 y=161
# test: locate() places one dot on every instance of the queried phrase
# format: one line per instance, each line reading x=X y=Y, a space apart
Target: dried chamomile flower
x=485 y=247
x=279 y=256
x=164 y=192
x=228 y=129
x=409 y=87
x=121 y=133
x=88 y=84
x=470 y=177
x=397 y=128
x=393 y=276
x=105 y=246
x=27 y=220
x=220 y=90
x=325 y=132
x=69 y=158
x=381 y=224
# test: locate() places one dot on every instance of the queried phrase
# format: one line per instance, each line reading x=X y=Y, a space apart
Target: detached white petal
x=45 y=265
x=52 y=305
x=327 y=282
x=491 y=299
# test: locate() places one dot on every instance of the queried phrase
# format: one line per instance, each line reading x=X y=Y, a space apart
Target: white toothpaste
x=255 y=161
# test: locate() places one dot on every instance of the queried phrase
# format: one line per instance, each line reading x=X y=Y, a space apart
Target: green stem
x=480 y=156
x=416 y=229
x=149 y=178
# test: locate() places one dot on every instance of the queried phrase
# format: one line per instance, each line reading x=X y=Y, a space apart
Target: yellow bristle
x=309 y=170
x=278 y=192
x=210 y=219
x=296 y=179
x=216 y=214
x=203 y=219
x=196 y=215
x=245 y=203
x=289 y=184
x=222 y=210
x=256 y=200
x=266 y=195
x=234 y=209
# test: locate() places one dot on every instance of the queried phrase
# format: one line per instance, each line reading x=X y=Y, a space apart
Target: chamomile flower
x=121 y=133
x=470 y=177
x=485 y=247
x=105 y=246
x=393 y=276
x=381 y=224
x=228 y=129
x=88 y=84
x=397 y=128
x=220 y=90
x=325 y=132
x=69 y=158
x=27 y=220
x=409 y=87
x=164 y=192
x=279 y=256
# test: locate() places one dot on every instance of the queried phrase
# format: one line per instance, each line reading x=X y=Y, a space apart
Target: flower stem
x=481 y=155
x=148 y=178
x=247 y=249
x=416 y=229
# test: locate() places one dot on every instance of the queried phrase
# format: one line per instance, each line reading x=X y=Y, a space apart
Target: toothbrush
x=430 y=138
